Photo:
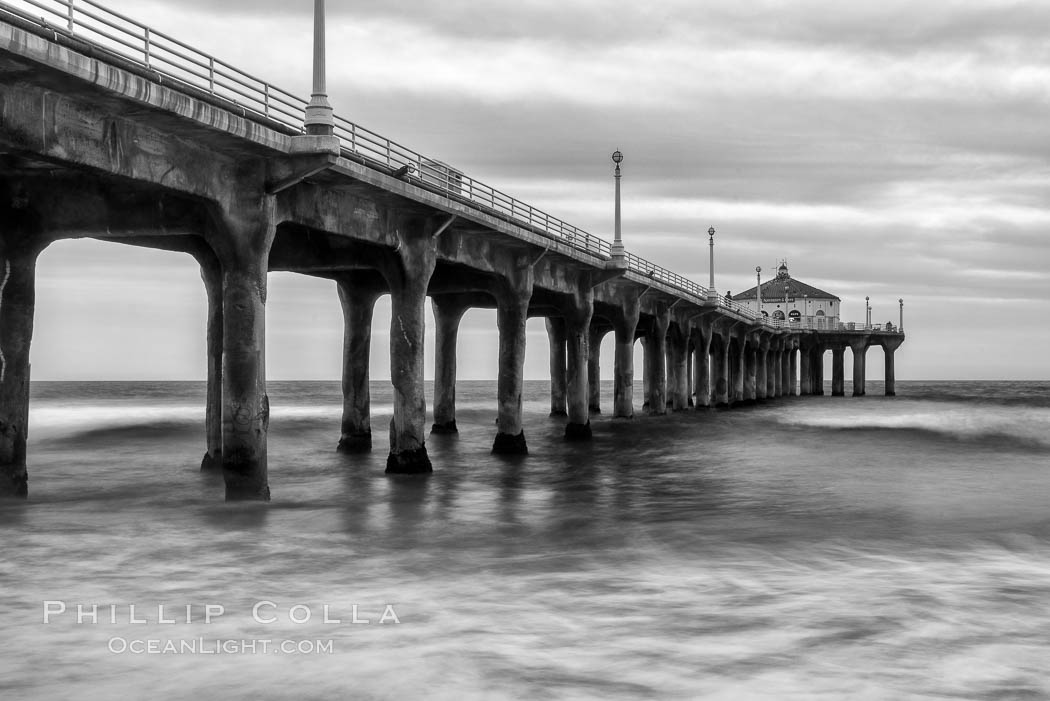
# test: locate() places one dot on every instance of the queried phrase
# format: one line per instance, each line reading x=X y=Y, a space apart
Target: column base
x=891 y=393
x=355 y=442
x=445 y=427
x=594 y=409
x=244 y=486
x=211 y=463
x=409 y=462
x=506 y=444
x=837 y=394
x=722 y=405
x=559 y=412
x=578 y=432
x=14 y=482
x=858 y=394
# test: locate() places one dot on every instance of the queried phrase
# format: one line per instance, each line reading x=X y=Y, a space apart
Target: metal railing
x=173 y=60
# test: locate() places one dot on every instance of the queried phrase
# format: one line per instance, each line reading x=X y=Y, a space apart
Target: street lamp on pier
x=711 y=293
x=617 y=250
x=320 y=120
x=867 y=312
x=758 y=290
x=900 y=323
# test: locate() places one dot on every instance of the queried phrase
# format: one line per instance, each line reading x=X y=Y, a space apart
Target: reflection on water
x=817 y=547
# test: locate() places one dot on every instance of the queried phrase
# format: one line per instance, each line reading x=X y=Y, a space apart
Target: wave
x=1017 y=426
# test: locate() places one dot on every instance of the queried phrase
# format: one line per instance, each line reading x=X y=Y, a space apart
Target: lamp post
x=867 y=312
x=900 y=323
x=758 y=289
x=805 y=308
x=319 y=117
x=711 y=285
x=617 y=247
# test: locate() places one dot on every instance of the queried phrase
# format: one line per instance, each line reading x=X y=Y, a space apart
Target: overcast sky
x=891 y=149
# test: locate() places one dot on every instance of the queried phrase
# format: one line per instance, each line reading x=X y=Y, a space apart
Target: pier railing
x=90 y=21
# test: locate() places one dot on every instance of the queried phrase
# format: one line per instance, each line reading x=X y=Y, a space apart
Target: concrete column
x=817 y=370
x=211 y=274
x=647 y=371
x=556 y=337
x=889 y=347
x=778 y=369
x=408 y=277
x=594 y=361
x=357 y=299
x=860 y=349
x=750 y=372
x=578 y=314
x=838 y=371
x=448 y=312
x=805 y=379
x=655 y=357
x=739 y=371
x=623 y=373
x=792 y=369
x=678 y=379
x=512 y=308
x=771 y=369
x=244 y=249
x=670 y=376
x=721 y=372
x=761 y=368
x=702 y=367
x=17 y=304
x=689 y=351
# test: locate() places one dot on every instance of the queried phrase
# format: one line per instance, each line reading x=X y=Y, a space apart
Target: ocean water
x=804 y=548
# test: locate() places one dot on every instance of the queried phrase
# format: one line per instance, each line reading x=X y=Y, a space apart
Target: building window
x=795 y=315
x=820 y=312
x=779 y=315
x=765 y=313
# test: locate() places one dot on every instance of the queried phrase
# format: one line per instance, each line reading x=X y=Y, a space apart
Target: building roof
x=775 y=288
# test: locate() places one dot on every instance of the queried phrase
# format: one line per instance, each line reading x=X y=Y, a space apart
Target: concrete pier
x=838 y=371
x=358 y=292
x=512 y=309
x=578 y=313
x=625 y=326
x=702 y=364
x=678 y=368
x=889 y=347
x=408 y=276
x=448 y=312
x=594 y=371
x=805 y=366
x=243 y=247
x=860 y=349
x=18 y=255
x=721 y=372
x=655 y=359
x=559 y=388
x=762 y=367
x=211 y=275
x=103 y=147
